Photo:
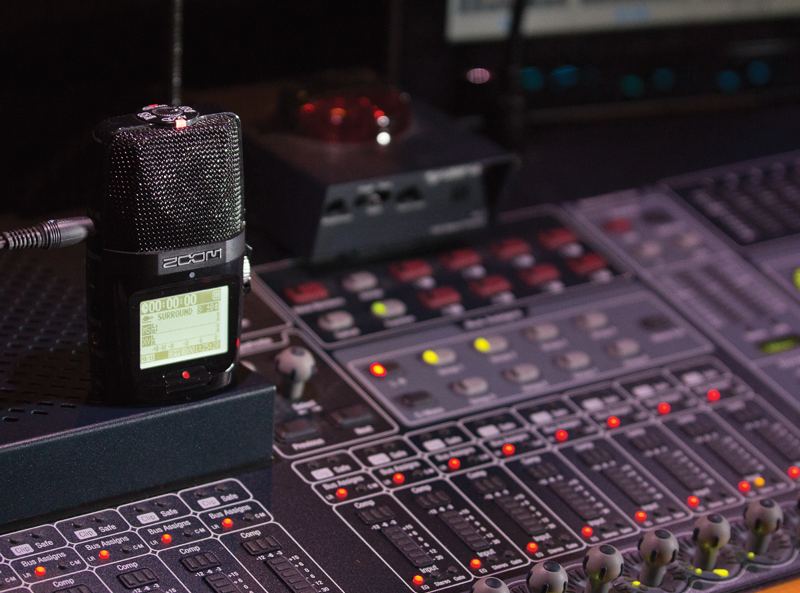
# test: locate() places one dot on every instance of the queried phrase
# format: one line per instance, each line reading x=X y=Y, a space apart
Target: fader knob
x=547 y=577
x=297 y=365
x=489 y=585
x=603 y=564
x=763 y=517
x=658 y=549
x=711 y=534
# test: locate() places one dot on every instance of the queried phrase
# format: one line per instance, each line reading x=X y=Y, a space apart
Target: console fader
x=595 y=400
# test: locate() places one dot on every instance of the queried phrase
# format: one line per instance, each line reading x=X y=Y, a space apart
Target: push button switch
x=262 y=545
x=200 y=562
x=137 y=578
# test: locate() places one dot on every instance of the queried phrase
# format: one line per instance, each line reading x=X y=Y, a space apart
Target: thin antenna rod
x=177 y=51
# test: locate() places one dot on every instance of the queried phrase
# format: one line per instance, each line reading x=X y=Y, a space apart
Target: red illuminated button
x=40 y=571
x=341 y=493
x=308 y=292
x=490 y=286
x=227 y=522
x=186 y=375
x=475 y=563
x=439 y=297
x=561 y=435
x=556 y=238
x=166 y=538
x=664 y=408
x=616 y=226
x=532 y=547
x=693 y=502
x=713 y=395
x=586 y=264
x=508 y=449
x=103 y=555
x=398 y=478
x=612 y=422
x=377 y=369
x=794 y=472
x=418 y=580
x=587 y=531
x=509 y=248
x=744 y=486
x=538 y=275
x=454 y=464
x=458 y=259
x=640 y=516
x=406 y=271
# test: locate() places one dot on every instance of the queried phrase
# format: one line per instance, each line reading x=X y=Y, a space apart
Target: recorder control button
x=185 y=378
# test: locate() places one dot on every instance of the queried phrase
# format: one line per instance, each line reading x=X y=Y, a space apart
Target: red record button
x=490 y=286
x=458 y=259
x=509 y=248
x=308 y=292
x=586 y=264
x=406 y=271
x=556 y=238
x=439 y=297
x=538 y=275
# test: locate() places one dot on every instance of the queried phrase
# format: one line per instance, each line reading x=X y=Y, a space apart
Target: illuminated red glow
x=341 y=493
x=166 y=538
x=454 y=464
x=744 y=486
x=532 y=547
x=587 y=531
x=664 y=408
x=308 y=108
x=185 y=375
x=693 y=502
x=794 y=472
x=613 y=422
x=713 y=395
x=378 y=113
x=418 y=580
x=103 y=555
x=640 y=516
x=509 y=449
x=40 y=571
x=377 y=369
x=561 y=435
x=398 y=478
x=475 y=563
x=227 y=523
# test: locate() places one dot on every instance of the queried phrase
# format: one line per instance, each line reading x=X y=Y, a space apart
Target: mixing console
x=598 y=399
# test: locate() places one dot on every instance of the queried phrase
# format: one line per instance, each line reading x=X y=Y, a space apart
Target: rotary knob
x=489 y=585
x=603 y=564
x=548 y=577
x=711 y=534
x=763 y=517
x=297 y=365
x=658 y=549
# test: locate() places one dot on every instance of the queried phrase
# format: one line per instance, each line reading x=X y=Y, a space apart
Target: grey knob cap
x=763 y=517
x=489 y=585
x=659 y=549
x=603 y=564
x=297 y=365
x=548 y=577
x=711 y=534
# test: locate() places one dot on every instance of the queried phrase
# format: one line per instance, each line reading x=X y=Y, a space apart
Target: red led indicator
x=561 y=436
x=640 y=516
x=153 y=105
x=341 y=493
x=40 y=571
x=532 y=547
x=418 y=580
x=237 y=342
x=693 y=501
x=475 y=563
x=794 y=472
x=612 y=422
x=180 y=123
x=308 y=108
x=587 y=531
x=227 y=522
x=166 y=538
x=185 y=375
x=378 y=113
x=744 y=486
x=454 y=464
x=508 y=449
x=398 y=478
x=664 y=408
x=377 y=369
x=713 y=395
x=103 y=555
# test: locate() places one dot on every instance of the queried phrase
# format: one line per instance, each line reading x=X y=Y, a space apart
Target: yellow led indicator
x=750 y=555
x=759 y=482
x=378 y=308
x=721 y=572
x=698 y=571
x=430 y=357
x=482 y=345
x=636 y=583
x=796 y=278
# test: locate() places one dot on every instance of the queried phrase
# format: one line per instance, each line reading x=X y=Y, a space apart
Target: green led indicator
x=378 y=308
x=779 y=345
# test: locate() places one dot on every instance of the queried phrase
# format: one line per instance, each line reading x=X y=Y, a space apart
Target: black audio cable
x=49 y=234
